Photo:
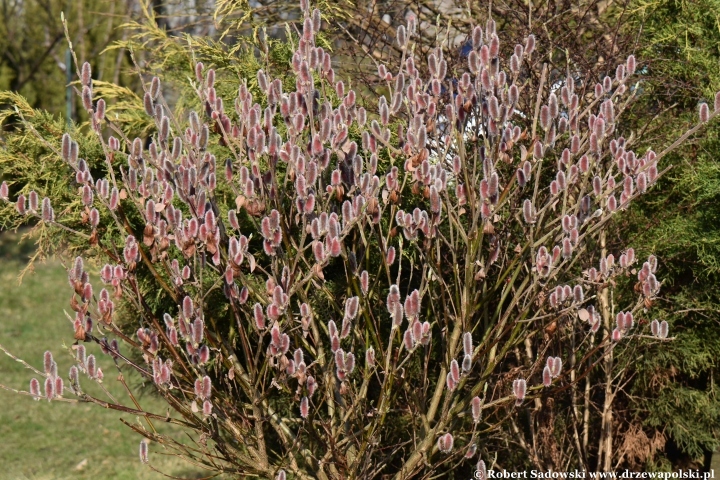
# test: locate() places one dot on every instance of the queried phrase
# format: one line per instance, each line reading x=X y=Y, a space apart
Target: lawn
x=55 y=440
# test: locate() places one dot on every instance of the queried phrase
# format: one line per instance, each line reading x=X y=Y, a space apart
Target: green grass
x=57 y=440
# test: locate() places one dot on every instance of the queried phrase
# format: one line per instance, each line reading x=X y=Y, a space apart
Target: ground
x=54 y=440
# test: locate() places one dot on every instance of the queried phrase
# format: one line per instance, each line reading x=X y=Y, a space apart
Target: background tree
x=34 y=48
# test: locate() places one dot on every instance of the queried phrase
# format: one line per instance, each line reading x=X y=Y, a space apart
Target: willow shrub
x=317 y=291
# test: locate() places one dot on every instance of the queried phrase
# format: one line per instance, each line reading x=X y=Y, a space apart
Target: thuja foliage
x=680 y=224
x=321 y=291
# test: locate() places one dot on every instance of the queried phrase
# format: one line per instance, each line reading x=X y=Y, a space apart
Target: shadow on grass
x=14 y=248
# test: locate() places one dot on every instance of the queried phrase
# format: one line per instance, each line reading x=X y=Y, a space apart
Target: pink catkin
x=631 y=64
x=445 y=443
x=144 y=452
x=519 y=389
x=203 y=354
x=556 y=366
x=578 y=293
x=20 y=205
x=545 y=117
x=59 y=386
x=455 y=370
x=48 y=361
x=529 y=44
x=364 y=282
x=85 y=74
x=390 y=257
x=35 y=388
x=408 y=340
x=704 y=113
x=33 y=201
x=612 y=203
x=476 y=408
x=370 y=357
x=655 y=327
x=467 y=343
x=187 y=307
x=349 y=362
x=90 y=366
x=547 y=376
x=304 y=407
x=528 y=211
x=467 y=363
x=198 y=328
x=49 y=388
x=206 y=387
